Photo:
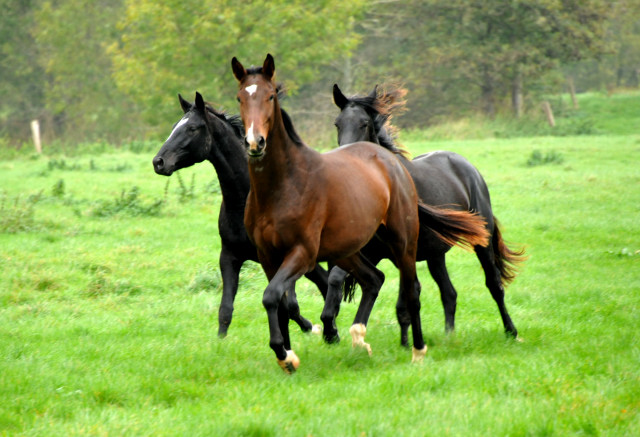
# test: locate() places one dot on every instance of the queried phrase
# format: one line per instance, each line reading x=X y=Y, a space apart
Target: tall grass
x=108 y=323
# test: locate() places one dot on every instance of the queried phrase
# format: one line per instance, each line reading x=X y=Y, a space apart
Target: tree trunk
x=572 y=92
x=516 y=95
x=488 y=96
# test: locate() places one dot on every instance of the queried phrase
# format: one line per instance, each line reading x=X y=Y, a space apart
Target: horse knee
x=335 y=280
x=270 y=302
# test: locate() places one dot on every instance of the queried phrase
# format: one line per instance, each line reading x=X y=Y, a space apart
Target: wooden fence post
x=572 y=92
x=546 y=107
x=35 y=131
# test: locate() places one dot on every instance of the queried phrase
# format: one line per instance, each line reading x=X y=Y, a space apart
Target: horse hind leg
x=495 y=286
x=370 y=280
x=331 y=307
x=448 y=295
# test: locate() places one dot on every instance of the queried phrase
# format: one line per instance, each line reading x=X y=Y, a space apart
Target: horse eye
x=238 y=99
x=271 y=97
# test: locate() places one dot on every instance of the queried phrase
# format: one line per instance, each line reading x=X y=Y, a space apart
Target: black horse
x=204 y=133
x=441 y=178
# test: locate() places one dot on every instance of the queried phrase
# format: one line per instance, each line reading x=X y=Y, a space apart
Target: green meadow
x=109 y=292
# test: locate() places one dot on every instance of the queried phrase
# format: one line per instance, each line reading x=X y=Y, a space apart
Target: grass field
x=109 y=291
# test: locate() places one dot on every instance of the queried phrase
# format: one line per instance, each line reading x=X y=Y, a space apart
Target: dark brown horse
x=440 y=178
x=305 y=207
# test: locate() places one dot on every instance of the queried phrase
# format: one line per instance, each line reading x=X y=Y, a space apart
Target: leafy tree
x=80 y=94
x=20 y=76
x=170 y=46
x=462 y=50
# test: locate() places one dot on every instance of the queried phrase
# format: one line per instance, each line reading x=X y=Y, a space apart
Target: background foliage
x=109 y=70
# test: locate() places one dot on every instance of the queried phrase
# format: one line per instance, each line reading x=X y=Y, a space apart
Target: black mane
x=233 y=120
x=291 y=131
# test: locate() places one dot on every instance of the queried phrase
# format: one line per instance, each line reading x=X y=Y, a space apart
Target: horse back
x=372 y=188
x=447 y=179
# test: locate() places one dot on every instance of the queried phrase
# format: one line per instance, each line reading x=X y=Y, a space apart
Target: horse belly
x=350 y=227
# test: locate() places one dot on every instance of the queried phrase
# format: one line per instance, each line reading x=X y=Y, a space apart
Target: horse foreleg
x=294 y=313
x=276 y=304
x=230 y=267
x=331 y=307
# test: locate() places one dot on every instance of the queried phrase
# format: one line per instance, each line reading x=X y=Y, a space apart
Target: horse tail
x=506 y=260
x=349 y=288
x=456 y=228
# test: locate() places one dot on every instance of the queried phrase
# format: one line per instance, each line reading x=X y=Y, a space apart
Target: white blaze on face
x=180 y=123
x=251 y=139
x=251 y=89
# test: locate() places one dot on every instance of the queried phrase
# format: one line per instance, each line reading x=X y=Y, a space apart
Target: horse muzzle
x=255 y=147
x=160 y=167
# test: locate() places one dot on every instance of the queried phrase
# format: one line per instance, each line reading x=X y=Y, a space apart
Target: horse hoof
x=290 y=364
x=332 y=339
x=316 y=329
x=519 y=339
x=418 y=354
x=358 y=331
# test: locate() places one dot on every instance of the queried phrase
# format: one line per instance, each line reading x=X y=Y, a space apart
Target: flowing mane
x=382 y=106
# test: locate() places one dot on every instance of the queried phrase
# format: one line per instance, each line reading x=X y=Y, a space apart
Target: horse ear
x=269 y=67
x=374 y=93
x=186 y=106
x=238 y=70
x=199 y=102
x=338 y=98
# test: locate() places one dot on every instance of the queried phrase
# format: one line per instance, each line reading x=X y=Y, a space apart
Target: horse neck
x=230 y=163
x=283 y=160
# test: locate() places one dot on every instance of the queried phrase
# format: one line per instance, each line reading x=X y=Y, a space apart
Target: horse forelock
x=380 y=108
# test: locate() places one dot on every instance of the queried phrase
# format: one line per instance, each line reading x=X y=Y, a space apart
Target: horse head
x=357 y=118
x=189 y=142
x=257 y=95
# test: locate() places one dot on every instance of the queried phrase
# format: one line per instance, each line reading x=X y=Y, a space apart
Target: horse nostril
x=261 y=143
x=158 y=162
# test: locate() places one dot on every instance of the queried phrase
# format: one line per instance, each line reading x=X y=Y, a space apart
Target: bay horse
x=304 y=207
x=440 y=178
x=206 y=134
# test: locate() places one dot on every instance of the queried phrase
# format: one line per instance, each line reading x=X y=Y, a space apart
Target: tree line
x=110 y=70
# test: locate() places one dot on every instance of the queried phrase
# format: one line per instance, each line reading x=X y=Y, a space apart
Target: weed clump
x=128 y=203
x=19 y=215
x=538 y=158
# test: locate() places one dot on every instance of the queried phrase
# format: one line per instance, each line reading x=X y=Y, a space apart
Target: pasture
x=109 y=292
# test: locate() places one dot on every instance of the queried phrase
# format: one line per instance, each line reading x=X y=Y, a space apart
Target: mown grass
x=108 y=321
